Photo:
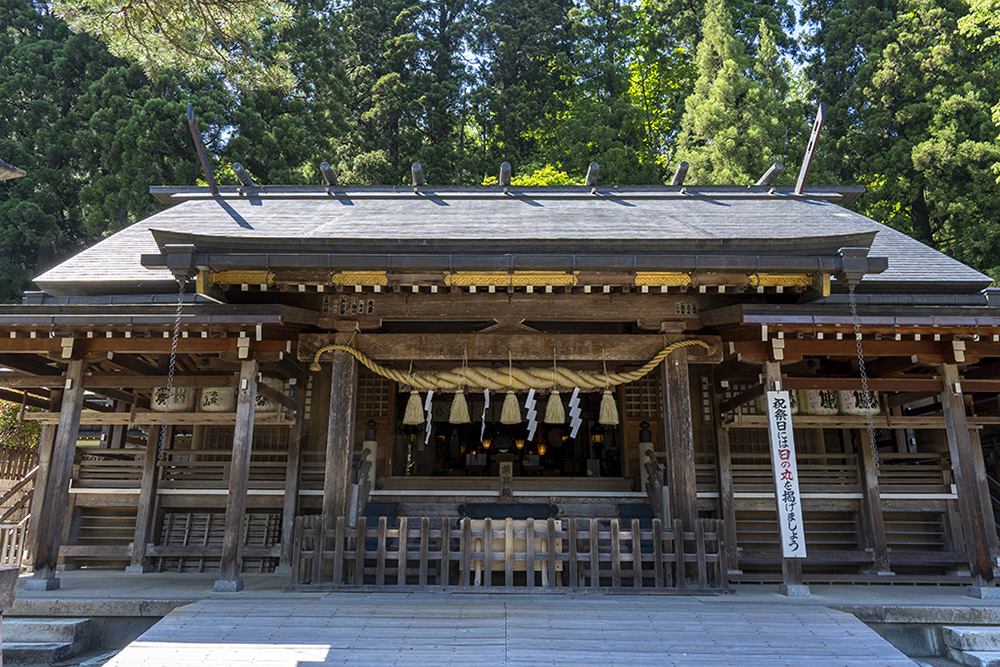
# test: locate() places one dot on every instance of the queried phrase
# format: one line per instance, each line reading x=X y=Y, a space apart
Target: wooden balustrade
x=574 y=554
x=15 y=462
x=13 y=537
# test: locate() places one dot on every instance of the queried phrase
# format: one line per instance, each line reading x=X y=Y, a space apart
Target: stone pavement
x=487 y=630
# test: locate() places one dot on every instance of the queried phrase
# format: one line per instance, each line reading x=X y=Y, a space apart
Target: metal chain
x=170 y=368
x=866 y=398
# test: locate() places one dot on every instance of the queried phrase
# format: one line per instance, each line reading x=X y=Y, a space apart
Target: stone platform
x=755 y=626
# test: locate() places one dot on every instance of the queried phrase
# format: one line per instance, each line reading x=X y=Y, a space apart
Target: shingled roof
x=620 y=222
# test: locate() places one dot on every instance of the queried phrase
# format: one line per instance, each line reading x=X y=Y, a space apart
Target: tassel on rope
x=608 y=415
x=459 y=409
x=609 y=410
x=459 y=406
x=414 y=415
x=554 y=412
x=511 y=412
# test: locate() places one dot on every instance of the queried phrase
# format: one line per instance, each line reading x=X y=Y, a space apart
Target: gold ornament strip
x=662 y=279
x=241 y=277
x=359 y=278
x=515 y=279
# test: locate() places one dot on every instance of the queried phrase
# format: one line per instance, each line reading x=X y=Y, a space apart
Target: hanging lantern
x=414 y=415
x=554 y=411
x=541 y=448
x=609 y=411
x=487 y=443
x=519 y=443
x=459 y=409
x=511 y=413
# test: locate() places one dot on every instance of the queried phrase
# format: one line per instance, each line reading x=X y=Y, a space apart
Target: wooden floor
x=494 y=630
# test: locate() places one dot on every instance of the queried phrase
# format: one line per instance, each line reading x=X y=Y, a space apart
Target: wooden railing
x=818 y=473
x=12 y=542
x=15 y=502
x=109 y=469
x=15 y=462
x=571 y=554
x=209 y=468
x=914 y=473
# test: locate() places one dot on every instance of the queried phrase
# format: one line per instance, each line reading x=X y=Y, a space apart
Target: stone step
x=45 y=630
x=972 y=637
x=35 y=653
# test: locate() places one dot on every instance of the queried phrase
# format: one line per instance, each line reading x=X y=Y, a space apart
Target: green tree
x=282 y=135
x=199 y=37
x=926 y=140
x=523 y=49
x=738 y=119
x=15 y=432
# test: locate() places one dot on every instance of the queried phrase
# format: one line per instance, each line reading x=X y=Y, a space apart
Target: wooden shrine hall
x=460 y=387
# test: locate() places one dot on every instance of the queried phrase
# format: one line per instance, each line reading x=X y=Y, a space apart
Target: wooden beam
x=891 y=366
x=451 y=348
x=730 y=368
x=340 y=435
x=128 y=362
x=156 y=418
x=740 y=399
x=990 y=371
x=927 y=350
x=483 y=307
x=22 y=397
x=897 y=400
x=147 y=501
x=28 y=364
x=276 y=396
x=975 y=519
x=232 y=542
x=903 y=384
x=50 y=525
x=679 y=438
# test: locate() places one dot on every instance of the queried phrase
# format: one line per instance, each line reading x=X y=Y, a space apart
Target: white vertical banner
x=786 y=474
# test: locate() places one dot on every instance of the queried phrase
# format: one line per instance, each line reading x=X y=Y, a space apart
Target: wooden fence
x=570 y=554
x=15 y=462
x=12 y=542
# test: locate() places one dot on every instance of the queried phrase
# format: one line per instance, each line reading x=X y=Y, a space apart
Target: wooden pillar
x=147 y=502
x=984 y=493
x=293 y=470
x=46 y=443
x=871 y=503
x=232 y=542
x=119 y=432
x=791 y=568
x=975 y=523
x=724 y=463
x=679 y=438
x=340 y=435
x=52 y=512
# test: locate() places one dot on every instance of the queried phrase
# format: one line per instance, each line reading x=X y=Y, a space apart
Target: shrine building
x=459 y=387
